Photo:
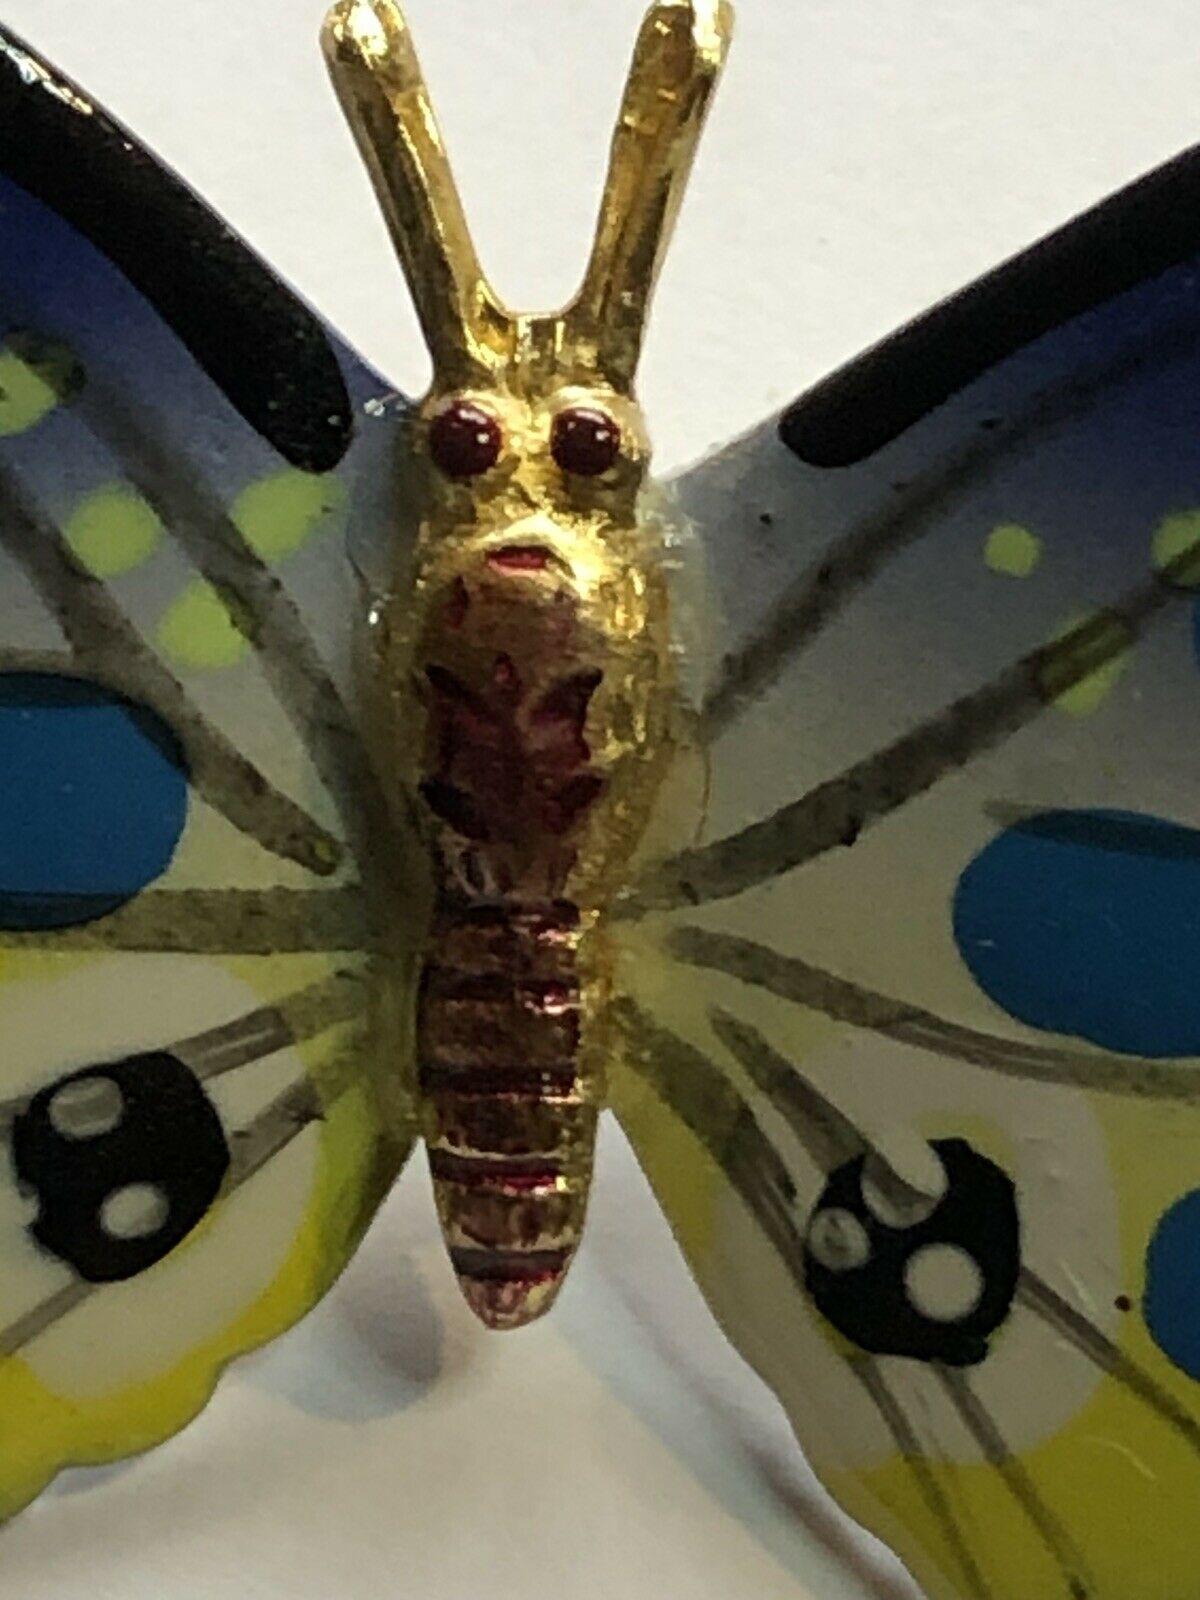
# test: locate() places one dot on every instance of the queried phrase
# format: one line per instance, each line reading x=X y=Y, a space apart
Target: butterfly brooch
x=376 y=771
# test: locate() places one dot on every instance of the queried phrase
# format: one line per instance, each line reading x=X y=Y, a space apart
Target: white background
x=863 y=160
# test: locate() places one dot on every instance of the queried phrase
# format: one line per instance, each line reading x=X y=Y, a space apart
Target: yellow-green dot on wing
x=196 y=630
x=1177 y=548
x=35 y=376
x=1102 y=638
x=112 y=530
x=1012 y=550
x=279 y=513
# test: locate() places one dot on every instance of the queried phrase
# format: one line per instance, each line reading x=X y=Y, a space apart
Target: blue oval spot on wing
x=1172 y=1303
x=1088 y=923
x=93 y=800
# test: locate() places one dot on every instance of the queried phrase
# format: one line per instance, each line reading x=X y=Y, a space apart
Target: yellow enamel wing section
x=35 y=377
x=113 y=530
x=1120 y=1476
x=1176 y=539
x=118 y=1368
x=276 y=515
x=1012 y=550
x=1086 y=1490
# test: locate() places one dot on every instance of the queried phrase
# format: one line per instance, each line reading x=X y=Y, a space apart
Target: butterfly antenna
x=382 y=90
x=676 y=64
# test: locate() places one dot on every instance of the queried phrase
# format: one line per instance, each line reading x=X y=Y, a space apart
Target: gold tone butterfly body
x=529 y=631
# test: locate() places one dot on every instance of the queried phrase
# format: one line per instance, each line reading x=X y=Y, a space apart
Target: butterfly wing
x=194 y=839
x=912 y=1029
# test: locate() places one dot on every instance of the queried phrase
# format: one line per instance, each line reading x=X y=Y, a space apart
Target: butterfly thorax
x=533 y=655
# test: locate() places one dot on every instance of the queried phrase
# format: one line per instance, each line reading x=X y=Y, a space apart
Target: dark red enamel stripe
x=509 y=1266
x=484 y=1172
x=552 y=916
x=540 y=994
x=541 y=1083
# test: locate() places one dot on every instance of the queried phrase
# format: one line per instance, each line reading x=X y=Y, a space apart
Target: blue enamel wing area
x=1088 y=922
x=1173 y=1284
x=93 y=800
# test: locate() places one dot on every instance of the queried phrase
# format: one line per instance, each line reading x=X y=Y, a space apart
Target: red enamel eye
x=585 y=441
x=465 y=439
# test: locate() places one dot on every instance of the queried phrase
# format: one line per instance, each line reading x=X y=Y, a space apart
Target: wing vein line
x=827 y=1134
x=217 y=922
x=1050 y=1529
x=795 y=980
x=1047 y=1304
x=716 y=1114
x=932 y=1492
x=700 y=1094
x=297 y=1017
x=710 y=1106
x=837 y=811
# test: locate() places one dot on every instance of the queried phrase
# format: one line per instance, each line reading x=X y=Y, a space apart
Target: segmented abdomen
x=536 y=673
x=510 y=1118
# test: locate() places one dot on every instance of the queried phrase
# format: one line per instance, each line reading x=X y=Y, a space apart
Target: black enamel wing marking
x=304 y=1014
x=1134 y=235
x=927 y=1269
x=252 y=1148
x=259 y=344
x=932 y=1278
x=794 y=979
x=126 y=1158
x=705 y=1099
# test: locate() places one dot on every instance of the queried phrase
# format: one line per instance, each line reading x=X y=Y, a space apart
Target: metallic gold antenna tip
x=470 y=333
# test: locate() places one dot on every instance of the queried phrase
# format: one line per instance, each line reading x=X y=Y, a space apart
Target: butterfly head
x=531 y=418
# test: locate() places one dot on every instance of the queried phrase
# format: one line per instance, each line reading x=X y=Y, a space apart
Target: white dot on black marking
x=838 y=1240
x=943 y=1282
x=136 y=1211
x=86 y=1108
x=903 y=1182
